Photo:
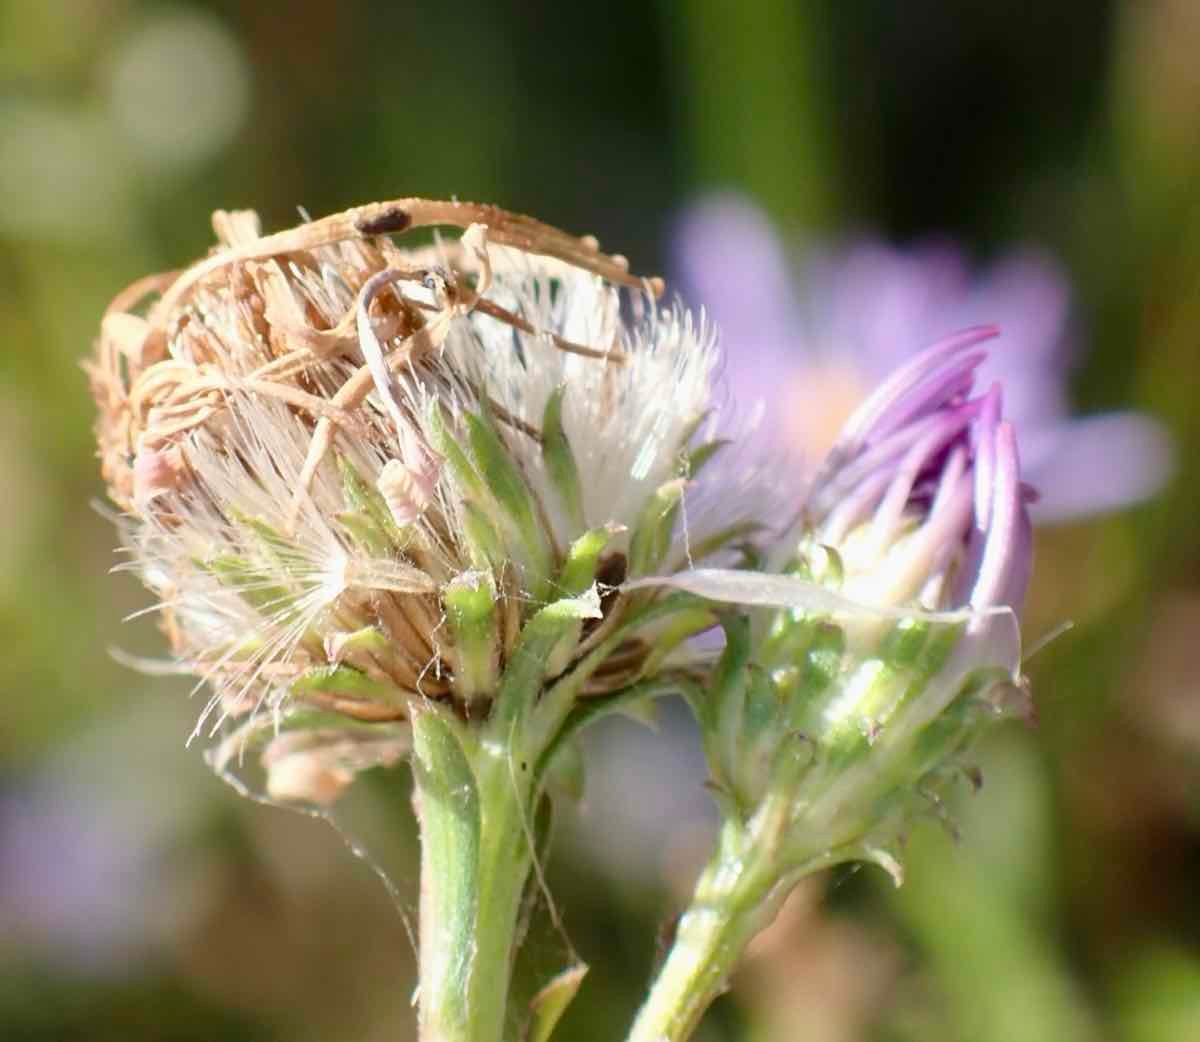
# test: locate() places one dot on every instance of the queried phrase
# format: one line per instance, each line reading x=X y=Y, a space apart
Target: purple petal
x=731 y=262
x=881 y=305
x=912 y=387
x=1005 y=565
x=1096 y=464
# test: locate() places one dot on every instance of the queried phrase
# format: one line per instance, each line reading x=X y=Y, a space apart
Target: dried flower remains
x=352 y=472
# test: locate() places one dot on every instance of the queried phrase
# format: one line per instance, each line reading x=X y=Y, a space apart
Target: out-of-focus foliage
x=140 y=899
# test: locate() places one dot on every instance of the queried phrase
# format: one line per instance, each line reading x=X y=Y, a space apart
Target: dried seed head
x=315 y=435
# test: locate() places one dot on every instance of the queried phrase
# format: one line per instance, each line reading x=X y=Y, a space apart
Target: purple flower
x=922 y=495
x=895 y=639
x=811 y=348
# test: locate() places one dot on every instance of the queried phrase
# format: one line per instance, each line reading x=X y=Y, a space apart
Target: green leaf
x=651 y=540
x=721 y=724
x=365 y=501
x=514 y=501
x=251 y=583
x=528 y=665
x=549 y=1004
x=365 y=532
x=560 y=460
x=461 y=468
x=483 y=541
x=579 y=570
x=676 y=631
x=564 y=775
x=351 y=683
x=719 y=540
x=470 y=603
x=694 y=460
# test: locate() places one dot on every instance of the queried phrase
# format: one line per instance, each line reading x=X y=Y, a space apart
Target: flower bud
x=893 y=638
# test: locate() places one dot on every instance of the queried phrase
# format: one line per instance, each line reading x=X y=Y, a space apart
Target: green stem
x=475 y=862
x=737 y=895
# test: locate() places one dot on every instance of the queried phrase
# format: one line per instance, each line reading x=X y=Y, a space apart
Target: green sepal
x=565 y=773
x=512 y=497
x=819 y=669
x=470 y=603
x=722 y=724
x=369 y=639
x=579 y=569
x=928 y=651
x=549 y=1004
x=275 y=547
x=677 y=630
x=720 y=540
x=559 y=460
x=760 y=717
x=904 y=644
x=761 y=731
x=528 y=665
x=484 y=544
x=461 y=468
x=694 y=460
x=251 y=583
x=364 y=532
x=349 y=682
x=374 y=517
x=956 y=726
x=651 y=540
x=578 y=575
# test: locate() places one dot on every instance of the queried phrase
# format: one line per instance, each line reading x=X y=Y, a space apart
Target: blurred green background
x=141 y=899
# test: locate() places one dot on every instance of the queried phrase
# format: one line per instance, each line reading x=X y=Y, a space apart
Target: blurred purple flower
x=90 y=880
x=812 y=347
x=921 y=474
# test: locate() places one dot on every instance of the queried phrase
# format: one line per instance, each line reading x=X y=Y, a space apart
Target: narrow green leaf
x=674 y=632
x=483 y=541
x=365 y=532
x=651 y=540
x=507 y=488
x=258 y=589
x=447 y=446
x=719 y=540
x=549 y=1004
x=579 y=569
x=470 y=603
x=722 y=723
x=528 y=665
x=565 y=773
x=365 y=500
x=349 y=682
x=560 y=460
x=694 y=460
